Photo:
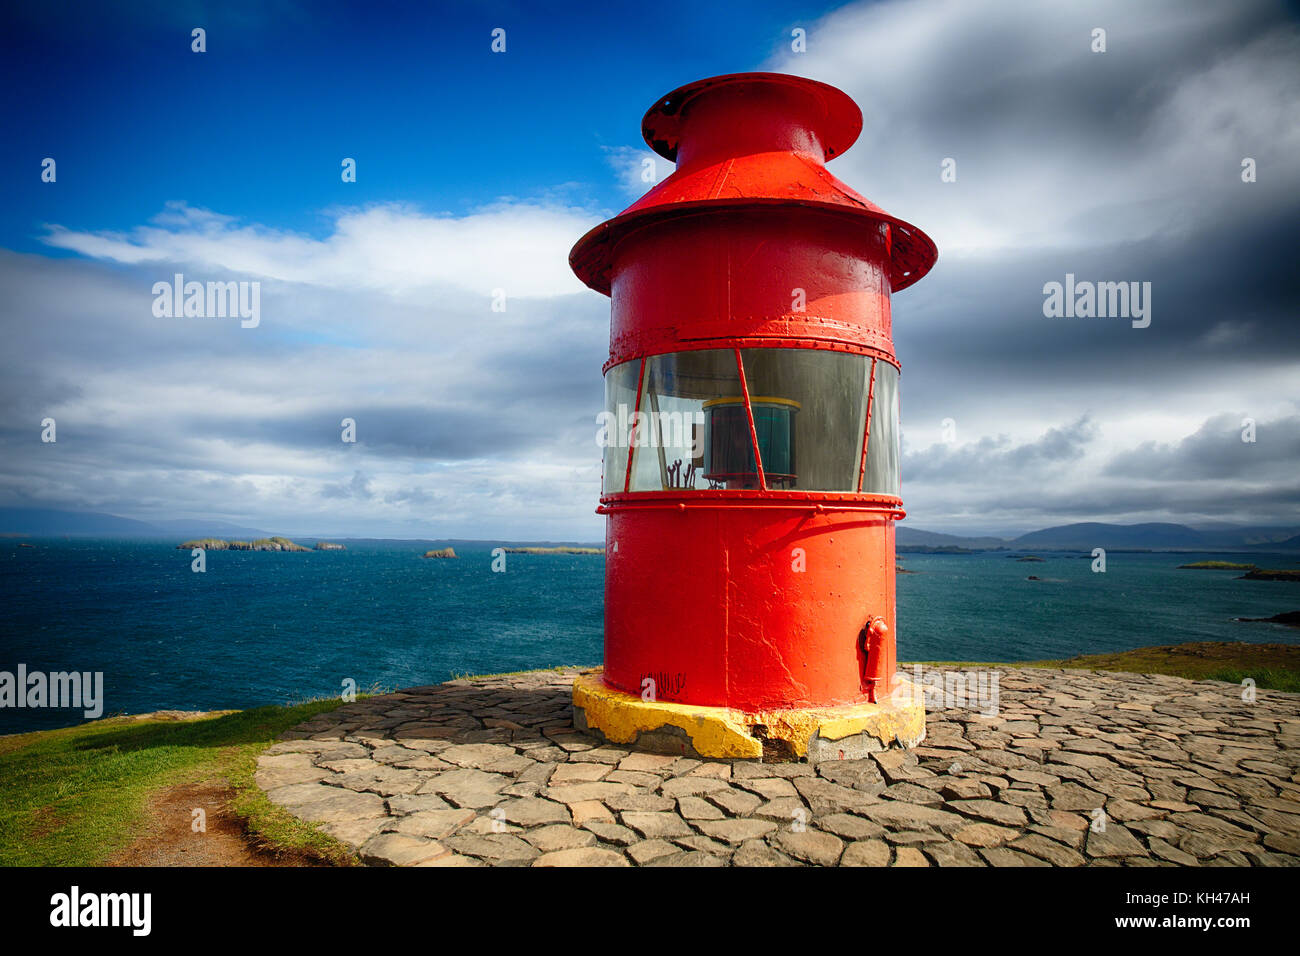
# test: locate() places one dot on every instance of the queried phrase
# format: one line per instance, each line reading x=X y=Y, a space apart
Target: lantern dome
x=752 y=140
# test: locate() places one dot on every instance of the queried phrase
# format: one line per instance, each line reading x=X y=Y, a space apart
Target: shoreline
x=488 y=543
x=1198 y=660
x=265 y=744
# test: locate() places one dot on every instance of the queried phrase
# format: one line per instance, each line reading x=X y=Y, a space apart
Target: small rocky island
x=1289 y=618
x=261 y=544
x=1263 y=574
x=1253 y=572
x=440 y=553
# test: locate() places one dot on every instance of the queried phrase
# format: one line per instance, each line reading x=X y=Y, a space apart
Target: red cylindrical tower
x=751 y=476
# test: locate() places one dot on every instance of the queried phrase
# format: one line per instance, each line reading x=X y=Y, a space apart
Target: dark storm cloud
x=1273 y=505
x=1214 y=303
x=488 y=429
x=1224 y=447
x=358 y=487
x=993 y=456
x=1209 y=475
x=975 y=345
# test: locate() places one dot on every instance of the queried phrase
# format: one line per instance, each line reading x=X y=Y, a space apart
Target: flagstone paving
x=1076 y=769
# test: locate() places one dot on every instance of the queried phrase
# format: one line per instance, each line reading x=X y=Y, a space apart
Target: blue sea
x=269 y=628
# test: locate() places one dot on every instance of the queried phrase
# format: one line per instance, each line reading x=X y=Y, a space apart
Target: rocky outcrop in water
x=261 y=544
x=1291 y=618
x=1262 y=574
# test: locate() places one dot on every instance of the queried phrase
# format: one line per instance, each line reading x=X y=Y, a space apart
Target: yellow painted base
x=724 y=733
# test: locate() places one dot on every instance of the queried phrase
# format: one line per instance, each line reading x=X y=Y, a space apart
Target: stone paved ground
x=1077 y=768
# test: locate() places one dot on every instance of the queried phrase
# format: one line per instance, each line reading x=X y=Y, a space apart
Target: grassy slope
x=1271 y=666
x=74 y=796
x=558 y=668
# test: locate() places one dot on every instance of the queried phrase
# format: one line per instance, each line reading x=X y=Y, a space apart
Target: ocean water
x=266 y=628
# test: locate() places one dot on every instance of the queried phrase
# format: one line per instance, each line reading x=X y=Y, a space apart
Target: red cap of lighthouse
x=752 y=138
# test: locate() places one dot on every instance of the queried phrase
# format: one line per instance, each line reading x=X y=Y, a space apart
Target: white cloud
x=471 y=422
x=520 y=247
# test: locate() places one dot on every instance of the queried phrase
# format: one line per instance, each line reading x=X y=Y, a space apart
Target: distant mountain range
x=1084 y=536
x=51 y=522
x=905 y=535
x=1155 y=536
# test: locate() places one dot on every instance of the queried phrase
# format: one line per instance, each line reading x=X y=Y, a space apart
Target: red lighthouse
x=751 y=467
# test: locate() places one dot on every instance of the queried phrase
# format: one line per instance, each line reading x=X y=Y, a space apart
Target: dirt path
x=167 y=837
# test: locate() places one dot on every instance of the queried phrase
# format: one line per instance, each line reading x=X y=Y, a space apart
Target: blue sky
x=257 y=125
x=478 y=171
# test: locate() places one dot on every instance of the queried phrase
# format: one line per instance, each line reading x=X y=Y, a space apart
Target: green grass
x=1266 y=678
x=73 y=797
x=1271 y=666
x=558 y=668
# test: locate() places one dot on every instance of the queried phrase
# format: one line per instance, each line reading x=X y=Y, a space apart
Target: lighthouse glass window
x=620 y=404
x=815 y=402
x=677 y=441
x=881 y=475
x=690 y=430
